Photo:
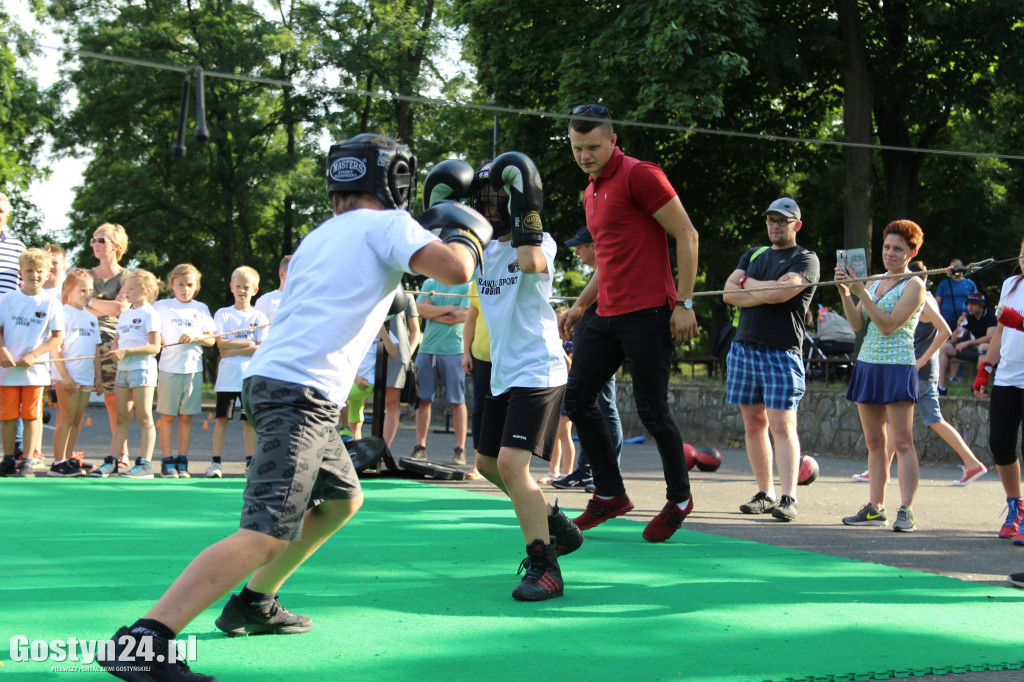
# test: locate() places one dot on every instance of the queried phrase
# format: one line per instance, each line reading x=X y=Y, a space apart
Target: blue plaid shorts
x=758 y=374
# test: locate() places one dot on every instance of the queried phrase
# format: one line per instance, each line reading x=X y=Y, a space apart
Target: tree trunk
x=858 y=93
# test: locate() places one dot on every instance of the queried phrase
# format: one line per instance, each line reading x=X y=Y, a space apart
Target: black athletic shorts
x=226 y=405
x=522 y=418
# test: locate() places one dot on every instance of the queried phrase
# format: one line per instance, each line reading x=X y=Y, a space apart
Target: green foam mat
x=418 y=587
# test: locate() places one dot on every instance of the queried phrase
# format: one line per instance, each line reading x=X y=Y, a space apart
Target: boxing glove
x=984 y=376
x=516 y=173
x=456 y=223
x=1011 y=318
x=450 y=179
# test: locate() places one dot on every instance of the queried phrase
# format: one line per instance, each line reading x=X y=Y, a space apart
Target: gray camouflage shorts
x=299 y=461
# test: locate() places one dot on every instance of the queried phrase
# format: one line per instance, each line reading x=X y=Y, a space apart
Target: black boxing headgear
x=373 y=164
x=490 y=203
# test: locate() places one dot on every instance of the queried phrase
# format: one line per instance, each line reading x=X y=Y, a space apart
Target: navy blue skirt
x=882 y=384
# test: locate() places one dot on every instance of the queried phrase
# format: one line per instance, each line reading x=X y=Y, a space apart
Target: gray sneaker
x=759 y=504
x=905 y=521
x=418 y=452
x=459 y=459
x=786 y=509
x=143 y=469
x=867 y=516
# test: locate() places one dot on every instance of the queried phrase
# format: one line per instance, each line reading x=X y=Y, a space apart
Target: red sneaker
x=667 y=522
x=1014 y=516
x=599 y=511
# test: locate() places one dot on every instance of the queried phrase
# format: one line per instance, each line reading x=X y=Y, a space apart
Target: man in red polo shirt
x=641 y=314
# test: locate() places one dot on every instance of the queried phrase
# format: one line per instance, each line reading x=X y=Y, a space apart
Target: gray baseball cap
x=785 y=206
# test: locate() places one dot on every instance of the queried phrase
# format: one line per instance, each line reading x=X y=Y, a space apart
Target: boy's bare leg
x=527 y=497
x=212 y=574
x=167 y=435
x=184 y=433
x=10 y=432
x=318 y=524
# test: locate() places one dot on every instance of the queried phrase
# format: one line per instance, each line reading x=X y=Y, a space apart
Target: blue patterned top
x=898 y=347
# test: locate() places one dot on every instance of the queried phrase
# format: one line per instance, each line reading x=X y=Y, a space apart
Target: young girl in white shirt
x=135 y=347
x=77 y=377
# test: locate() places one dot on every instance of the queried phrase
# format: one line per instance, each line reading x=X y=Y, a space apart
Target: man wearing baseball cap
x=970 y=338
x=582 y=477
x=766 y=366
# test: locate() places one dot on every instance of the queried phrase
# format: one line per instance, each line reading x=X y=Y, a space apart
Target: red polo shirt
x=630 y=246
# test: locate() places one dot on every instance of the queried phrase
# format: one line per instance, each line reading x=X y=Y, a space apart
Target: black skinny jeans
x=644 y=337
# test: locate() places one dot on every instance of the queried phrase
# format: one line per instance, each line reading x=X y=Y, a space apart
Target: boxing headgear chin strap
x=483 y=197
x=376 y=165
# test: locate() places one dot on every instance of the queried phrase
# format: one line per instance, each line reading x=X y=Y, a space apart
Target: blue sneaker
x=181 y=462
x=168 y=468
x=143 y=469
x=108 y=468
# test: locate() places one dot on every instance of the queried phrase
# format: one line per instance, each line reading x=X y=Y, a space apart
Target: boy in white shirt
x=31 y=325
x=186 y=326
x=250 y=327
x=269 y=302
x=302 y=486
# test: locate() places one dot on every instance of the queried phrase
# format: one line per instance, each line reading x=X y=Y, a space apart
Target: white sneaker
x=864 y=477
x=213 y=471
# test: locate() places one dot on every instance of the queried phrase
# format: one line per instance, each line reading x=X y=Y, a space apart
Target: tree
x=26 y=119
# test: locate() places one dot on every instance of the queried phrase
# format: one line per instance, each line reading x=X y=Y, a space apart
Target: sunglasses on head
x=596 y=109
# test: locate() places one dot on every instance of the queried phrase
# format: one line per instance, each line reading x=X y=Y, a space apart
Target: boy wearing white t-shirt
x=302 y=486
x=31 y=325
x=249 y=326
x=528 y=374
x=269 y=302
x=186 y=326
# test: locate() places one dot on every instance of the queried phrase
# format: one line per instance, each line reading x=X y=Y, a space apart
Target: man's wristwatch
x=685 y=303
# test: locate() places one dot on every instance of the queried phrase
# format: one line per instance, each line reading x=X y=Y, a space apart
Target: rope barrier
x=967 y=270
x=176 y=343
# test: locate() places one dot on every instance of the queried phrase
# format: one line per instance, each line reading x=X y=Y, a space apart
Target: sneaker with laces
x=79 y=457
x=1014 y=517
x=864 y=477
x=143 y=469
x=181 y=462
x=599 y=511
x=667 y=522
x=543 y=579
x=8 y=466
x=39 y=461
x=565 y=535
x=867 y=516
x=971 y=474
x=26 y=468
x=577 y=479
x=66 y=468
x=213 y=471
x=786 y=509
x=168 y=469
x=239 y=618
x=459 y=459
x=761 y=503
x=166 y=668
x=1016 y=579
x=108 y=468
x=418 y=452
x=905 y=521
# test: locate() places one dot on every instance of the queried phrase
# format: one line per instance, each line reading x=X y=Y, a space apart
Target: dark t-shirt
x=778 y=325
x=979 y=327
